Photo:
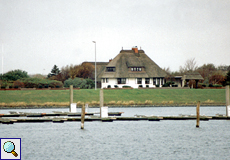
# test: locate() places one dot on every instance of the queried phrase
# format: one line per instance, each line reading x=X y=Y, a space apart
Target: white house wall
x=132 y=82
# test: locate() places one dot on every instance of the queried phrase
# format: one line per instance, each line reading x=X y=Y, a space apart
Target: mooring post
x=198 y=114
x=82 y=116
x=101 y=100
x=70 y=96
x=227 y=100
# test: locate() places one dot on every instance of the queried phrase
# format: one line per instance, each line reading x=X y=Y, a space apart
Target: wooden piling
x=198 y=114
x=82 y=116
x=227 y=99
x=101 y=100
x=71 y=94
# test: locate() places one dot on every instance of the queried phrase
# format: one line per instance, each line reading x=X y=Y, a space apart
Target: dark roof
x=126 y=59
x=192 y=76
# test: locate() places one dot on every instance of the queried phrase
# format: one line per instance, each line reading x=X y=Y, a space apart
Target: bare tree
x=189 y=66
x=167 y=70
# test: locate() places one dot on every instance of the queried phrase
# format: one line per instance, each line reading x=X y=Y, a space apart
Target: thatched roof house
x=127 y=59
x=132 y=65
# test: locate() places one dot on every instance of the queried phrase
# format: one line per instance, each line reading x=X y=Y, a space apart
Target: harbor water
x=166 y=139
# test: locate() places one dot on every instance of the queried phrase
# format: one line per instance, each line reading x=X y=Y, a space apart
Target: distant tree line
x=20 y=79
x=82 y=75
x=213 y=76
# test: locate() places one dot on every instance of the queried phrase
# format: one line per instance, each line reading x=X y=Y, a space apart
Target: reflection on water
x=124 y=139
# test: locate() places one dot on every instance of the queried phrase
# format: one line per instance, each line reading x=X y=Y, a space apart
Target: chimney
x=110 y=60
x=135 y=49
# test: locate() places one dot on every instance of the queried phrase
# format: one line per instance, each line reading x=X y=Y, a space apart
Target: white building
x=132 y=68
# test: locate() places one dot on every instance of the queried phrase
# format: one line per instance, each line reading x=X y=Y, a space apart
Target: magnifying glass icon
x=9 y=147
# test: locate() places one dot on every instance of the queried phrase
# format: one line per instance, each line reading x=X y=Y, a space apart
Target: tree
x=227 y=80
x=86 y=70
x=14 y=75
x=217 y=78
x=206 y=71
x=169 y=77
x=189 y=66
x=64 y=75
x=55 y=71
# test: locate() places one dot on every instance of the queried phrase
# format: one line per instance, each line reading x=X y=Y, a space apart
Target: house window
x=139 y=80
x=162 y=81
x=136 y=69
x=154 y=81
x=147 y=80
x=121 y=80
x=110 y=69
x=158 y=81
x=105 y=80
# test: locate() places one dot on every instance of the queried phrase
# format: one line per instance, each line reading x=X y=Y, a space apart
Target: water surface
x=125 y=139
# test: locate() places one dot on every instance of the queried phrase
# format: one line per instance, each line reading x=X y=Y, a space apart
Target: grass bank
x=119 y=97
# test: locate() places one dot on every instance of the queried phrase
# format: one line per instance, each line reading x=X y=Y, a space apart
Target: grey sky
x=36 y=34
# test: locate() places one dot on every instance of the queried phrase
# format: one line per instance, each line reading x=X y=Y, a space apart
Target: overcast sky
x=37 y=34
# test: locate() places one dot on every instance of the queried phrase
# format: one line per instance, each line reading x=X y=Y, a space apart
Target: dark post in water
x=82 y=116
x=71 y=94
x=101 y=100
x=227 y=99
x=198 y=114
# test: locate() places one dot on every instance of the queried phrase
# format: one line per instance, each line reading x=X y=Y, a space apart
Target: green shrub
x=217 y=85
x=126 y=86
x=165 y=85
x=40 y=83
x=210 y=85
x=79 y=83
x=170 y=82
x=40 y=86
x=90 y=83
x=202 y=84
x=14 y=75
x=174 y=85
x=18 y=84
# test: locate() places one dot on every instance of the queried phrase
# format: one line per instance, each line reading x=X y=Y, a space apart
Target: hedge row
x=79 y=83
x=32 y=83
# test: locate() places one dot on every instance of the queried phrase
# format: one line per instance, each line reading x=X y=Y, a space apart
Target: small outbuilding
x=191 y=76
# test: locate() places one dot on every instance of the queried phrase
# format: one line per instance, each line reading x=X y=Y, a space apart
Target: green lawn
x=115 y=97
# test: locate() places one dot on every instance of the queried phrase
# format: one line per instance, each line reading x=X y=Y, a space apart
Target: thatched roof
x=127 y=59
x=192 y=76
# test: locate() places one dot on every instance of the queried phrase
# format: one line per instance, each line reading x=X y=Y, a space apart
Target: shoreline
x=116 y=106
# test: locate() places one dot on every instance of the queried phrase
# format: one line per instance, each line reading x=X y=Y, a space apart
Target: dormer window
x=136 y=69
x=110 y=69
